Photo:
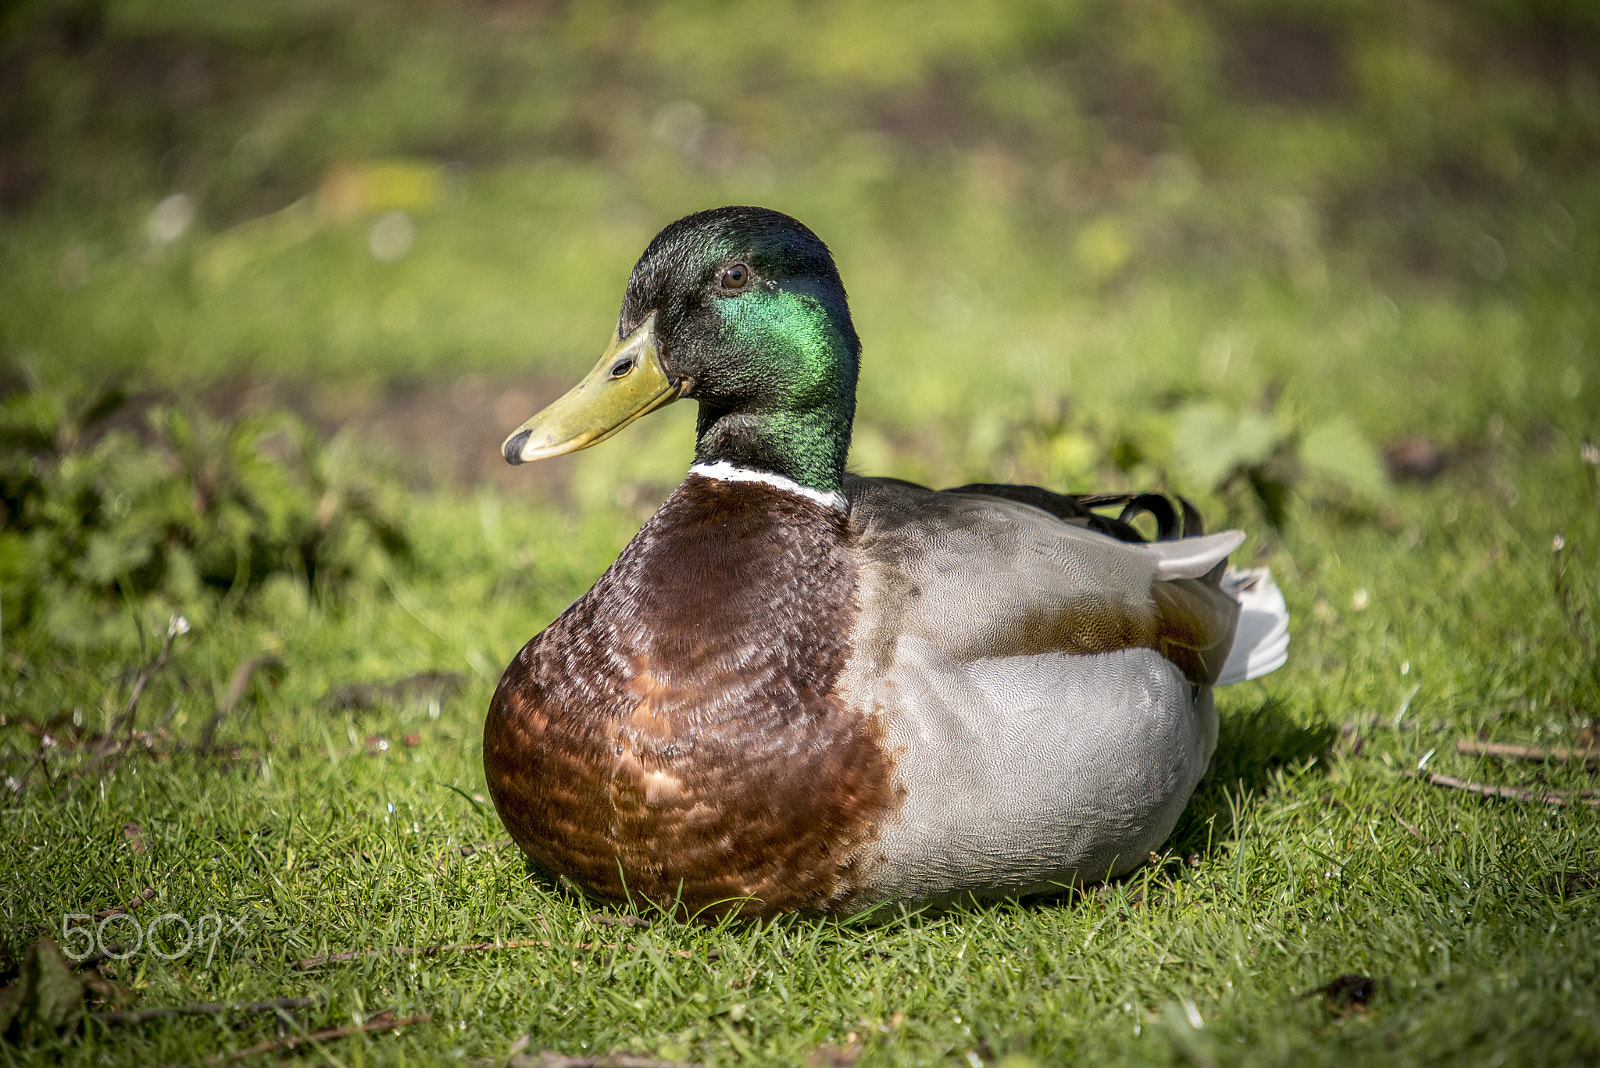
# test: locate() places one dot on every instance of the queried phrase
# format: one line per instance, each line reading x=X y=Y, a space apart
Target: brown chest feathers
x=676 y=734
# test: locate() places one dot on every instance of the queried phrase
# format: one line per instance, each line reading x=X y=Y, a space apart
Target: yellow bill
x=629 y=381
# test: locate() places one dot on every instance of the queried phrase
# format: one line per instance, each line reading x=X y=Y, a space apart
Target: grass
x=1068 y=235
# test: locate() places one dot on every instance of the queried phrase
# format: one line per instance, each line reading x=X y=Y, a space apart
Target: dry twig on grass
x=138 y=899
x=108 y=754
x=1414 y=831
x=140 y=1015
x=1590 y=758
x=476 y=947
x=382 y=1021
x=178 y=625
x=1511 y=793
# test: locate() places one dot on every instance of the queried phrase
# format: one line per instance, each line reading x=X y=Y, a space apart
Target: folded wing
x=984 y=575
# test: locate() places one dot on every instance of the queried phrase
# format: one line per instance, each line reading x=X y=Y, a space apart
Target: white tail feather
x=1193 y=556
x=1261 y=643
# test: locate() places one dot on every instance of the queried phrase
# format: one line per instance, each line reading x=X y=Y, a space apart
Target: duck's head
x=742 y=310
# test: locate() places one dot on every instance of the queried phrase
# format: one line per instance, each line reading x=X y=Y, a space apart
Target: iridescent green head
x=741 y=309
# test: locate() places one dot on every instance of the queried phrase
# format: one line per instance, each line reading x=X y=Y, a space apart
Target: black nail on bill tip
x=513 y=446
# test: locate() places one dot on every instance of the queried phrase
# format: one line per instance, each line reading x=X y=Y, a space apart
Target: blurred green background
x=1369 y=219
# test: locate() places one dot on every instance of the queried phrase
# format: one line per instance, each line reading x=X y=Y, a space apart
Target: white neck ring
x=723 y=471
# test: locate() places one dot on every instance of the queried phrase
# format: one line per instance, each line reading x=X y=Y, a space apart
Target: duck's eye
x=735 y=277
x=622 y=367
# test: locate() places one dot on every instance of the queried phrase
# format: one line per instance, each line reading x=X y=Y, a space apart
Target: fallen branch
x=141 y=1015
x=177 y=626
x=1590 y=758
x=108 y=754
x=474 y=947
x=39 y=760
x=1511 y=793
x=1414 y=831
x=138 y=899
x=383 y=1021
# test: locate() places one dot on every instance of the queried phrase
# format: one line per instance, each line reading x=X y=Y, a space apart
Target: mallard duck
x=799 y=689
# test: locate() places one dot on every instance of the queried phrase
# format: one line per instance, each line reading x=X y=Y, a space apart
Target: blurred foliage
x=1221 y=248
x=189 y=511
x=1267 y=452
x=987 y=172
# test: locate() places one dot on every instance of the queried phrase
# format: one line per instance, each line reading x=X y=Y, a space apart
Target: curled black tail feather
x=1182 y=521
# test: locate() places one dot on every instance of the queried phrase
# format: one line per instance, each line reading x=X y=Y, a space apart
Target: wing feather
x=981 y=575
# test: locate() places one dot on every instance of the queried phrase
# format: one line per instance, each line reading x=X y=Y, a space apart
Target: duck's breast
x=677 y=734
